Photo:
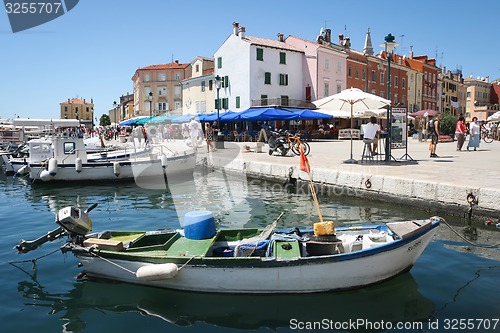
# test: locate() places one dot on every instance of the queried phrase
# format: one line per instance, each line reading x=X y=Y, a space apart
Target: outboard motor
x=73 y=222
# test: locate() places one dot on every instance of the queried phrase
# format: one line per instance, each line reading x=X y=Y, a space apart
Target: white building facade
x=258 y=72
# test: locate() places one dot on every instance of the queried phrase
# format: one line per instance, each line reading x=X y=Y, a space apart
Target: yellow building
x=478 y=98
x=158 y=89
x=77 y=108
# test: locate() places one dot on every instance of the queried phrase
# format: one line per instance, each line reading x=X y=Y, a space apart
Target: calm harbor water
x=450 y=281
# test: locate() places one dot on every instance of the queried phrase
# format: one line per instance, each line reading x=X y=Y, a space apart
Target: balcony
x=283 y=102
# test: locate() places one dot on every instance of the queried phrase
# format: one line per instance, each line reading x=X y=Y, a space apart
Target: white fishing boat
x=202 y=259
x=59 y=158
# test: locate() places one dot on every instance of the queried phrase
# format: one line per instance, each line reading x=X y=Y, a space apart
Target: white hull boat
x=65 y=159
x=200 y=258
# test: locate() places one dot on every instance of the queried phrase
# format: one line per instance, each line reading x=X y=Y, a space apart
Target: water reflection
x=396 y=301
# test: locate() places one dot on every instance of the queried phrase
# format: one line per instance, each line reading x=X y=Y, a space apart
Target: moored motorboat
x=59 y=158
x=201 y=258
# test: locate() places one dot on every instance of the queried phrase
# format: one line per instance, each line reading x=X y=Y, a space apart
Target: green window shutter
x=219 y=62
x=267 y=78
x=225 y=103
x=217 y=104
x=282 y=58
x=237 y=102
x=260 y=54
x=226 y=81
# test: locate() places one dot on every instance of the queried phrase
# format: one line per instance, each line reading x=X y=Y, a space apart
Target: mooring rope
x=468 y=241
x=15 y=263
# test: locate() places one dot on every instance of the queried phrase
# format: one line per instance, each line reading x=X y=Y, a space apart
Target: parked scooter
x=278 y=142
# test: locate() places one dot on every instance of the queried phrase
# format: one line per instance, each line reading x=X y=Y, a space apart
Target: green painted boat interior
x=174 y=244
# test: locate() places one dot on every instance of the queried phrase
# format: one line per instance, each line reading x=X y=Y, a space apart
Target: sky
x=93 y=50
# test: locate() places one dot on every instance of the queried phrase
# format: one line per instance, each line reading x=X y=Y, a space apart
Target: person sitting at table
x=372 y=131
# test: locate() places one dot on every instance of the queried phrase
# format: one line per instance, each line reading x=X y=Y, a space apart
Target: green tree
x=448 y=124
x=104 y=120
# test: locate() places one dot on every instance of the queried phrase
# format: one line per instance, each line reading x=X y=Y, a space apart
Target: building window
x=263 y=100
x=283 y=79
x=283 y=58
x=177 y=76
x=197 y=68
x=327 y=89
x=339 y=87
x=357 y=73
x=363 y=75
x=87 y=109
x=219 y=62
x=178 y=105
x=65 y=109
x=396 y=81
x=374 y=76
x=225 y=103
x=225 y=82
x=403 y=82
x=267 y=78
x=327 y=64
x=147 y=77
x=162 y=91
x=162 y=77
x=238 y=102
x=210 y=85
x=284 y=100
x=339 y=67
x=260 y=54
x=382 y=80
x=349 y=71
x=203 y=86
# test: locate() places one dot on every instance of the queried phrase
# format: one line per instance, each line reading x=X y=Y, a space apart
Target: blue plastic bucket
x=199 y=224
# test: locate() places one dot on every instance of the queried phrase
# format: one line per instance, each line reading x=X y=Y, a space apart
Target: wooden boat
x=66 y=159
x=201 y=258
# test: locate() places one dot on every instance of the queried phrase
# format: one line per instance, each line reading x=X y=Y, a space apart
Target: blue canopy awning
x=131 y=121
x=224 y=116
x=269 y=113
x=163 y=119
x=185 y=118
x=307 y=114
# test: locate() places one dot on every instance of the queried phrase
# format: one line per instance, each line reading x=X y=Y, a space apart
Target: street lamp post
x=389 y=48
x=150 y=98
x=220 y=136
x=115 y=105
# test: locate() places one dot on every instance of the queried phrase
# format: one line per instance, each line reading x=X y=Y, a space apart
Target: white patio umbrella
x=494 y=117
x=353 y=100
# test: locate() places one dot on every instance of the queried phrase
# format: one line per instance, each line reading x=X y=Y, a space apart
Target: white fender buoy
x=164 y=161
x=116 y=168
x=45 y=175
x=78 y=164
x=52 y=167
x=24 y=170
x=157 y=272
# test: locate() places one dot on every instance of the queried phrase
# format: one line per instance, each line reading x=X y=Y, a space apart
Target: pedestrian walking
x=474 y=138
x=209 y=137
x=460 y=131
x=194 y=130
x=433 y=132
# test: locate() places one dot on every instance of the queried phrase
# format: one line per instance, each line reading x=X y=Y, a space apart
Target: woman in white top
x=371 y=131
x=474 y=138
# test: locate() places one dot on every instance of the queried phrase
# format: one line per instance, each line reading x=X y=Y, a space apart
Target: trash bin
x=219 y=144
